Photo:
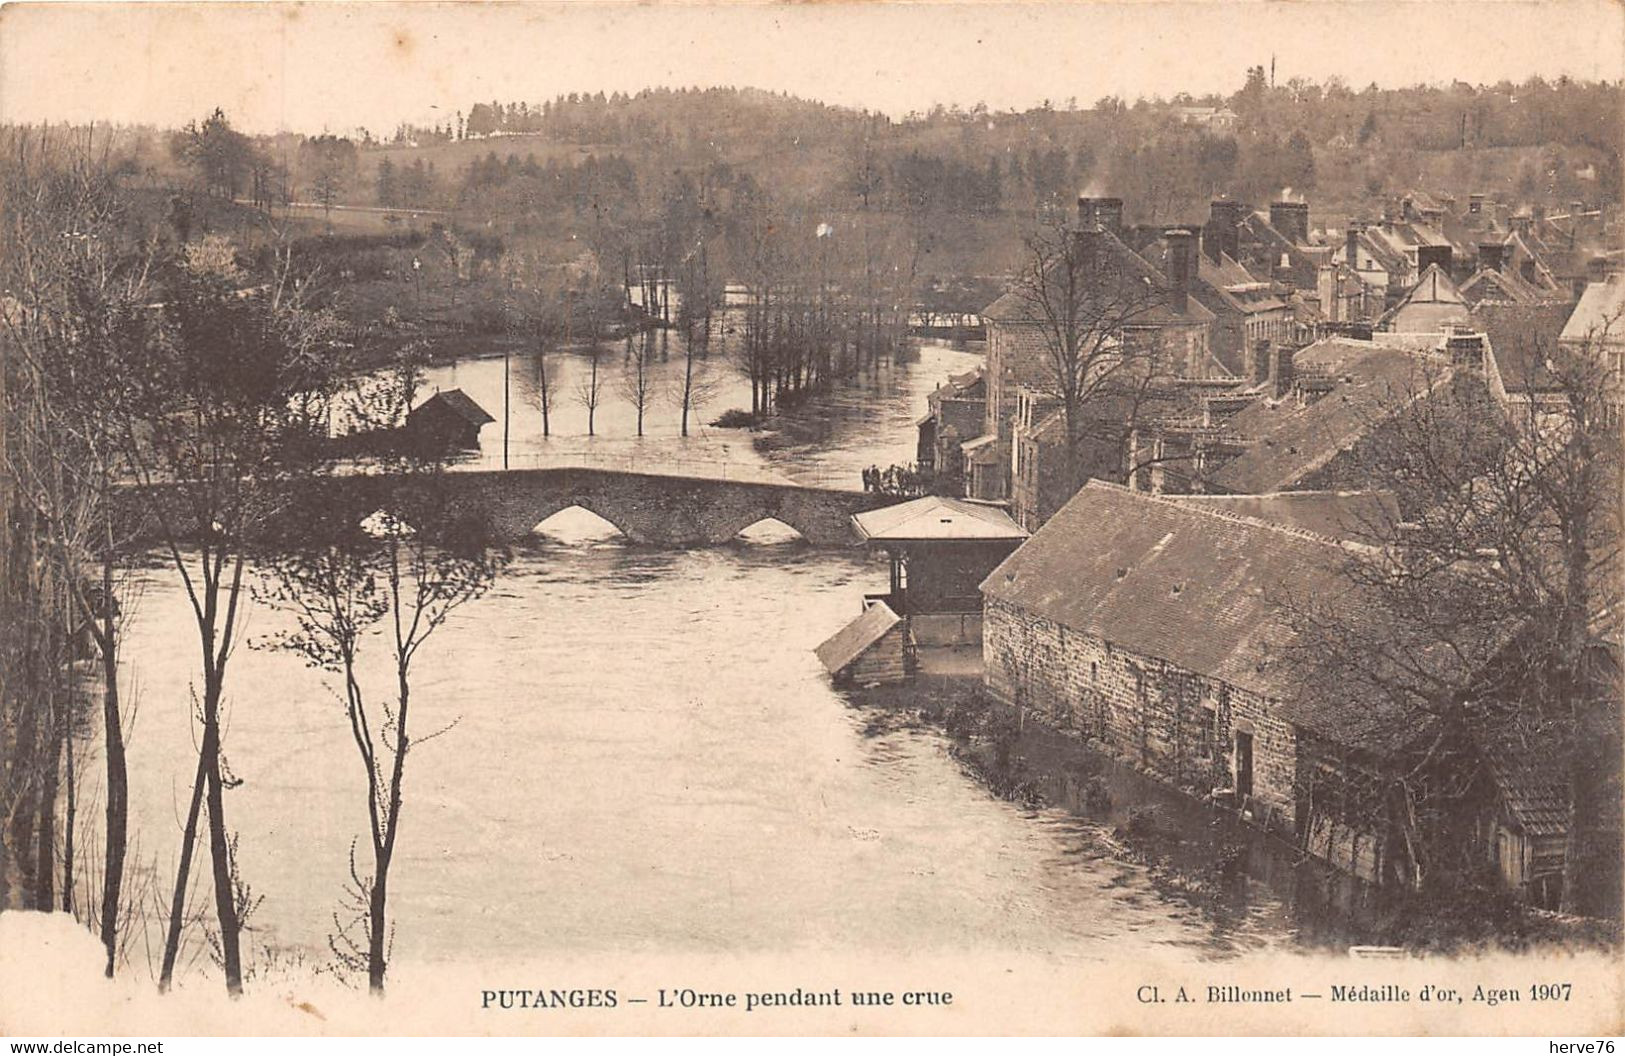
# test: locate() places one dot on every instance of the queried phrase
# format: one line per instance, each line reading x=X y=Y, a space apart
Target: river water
x=641 y=752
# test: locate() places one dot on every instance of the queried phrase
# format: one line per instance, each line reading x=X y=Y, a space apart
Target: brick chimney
x=1258 y=361
x=1087 y=242
x=1100 y=212
x=1181 y=267
x=1281 y=372
x=1292 y=220
x=1222 y=234
x=1430 y=255
x=1351 y=248
x=1492 y=256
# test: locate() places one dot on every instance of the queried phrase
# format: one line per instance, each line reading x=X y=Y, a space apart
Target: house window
x=1210 y=730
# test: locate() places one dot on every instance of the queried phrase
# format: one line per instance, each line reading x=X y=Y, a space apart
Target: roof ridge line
x=1226 y=515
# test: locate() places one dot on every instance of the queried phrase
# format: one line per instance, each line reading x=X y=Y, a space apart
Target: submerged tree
x=408 y=567
x=640 y=384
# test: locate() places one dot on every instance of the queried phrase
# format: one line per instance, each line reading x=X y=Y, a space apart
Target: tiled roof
x=1489 y=284
x=1425 y=202
x=1519 y=336
x=1352 y=515
x=1237 y=285
x=1528 y=247
x=1387 y=257
x=1528 y=771
x=1292 y=439
x=1169 y=579
x=937 y=517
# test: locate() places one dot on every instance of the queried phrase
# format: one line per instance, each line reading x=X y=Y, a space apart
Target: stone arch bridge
x=654 y=508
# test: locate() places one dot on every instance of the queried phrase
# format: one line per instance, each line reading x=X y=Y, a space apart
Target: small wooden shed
x=940 y=549
x=871 y=649
x=447 y=420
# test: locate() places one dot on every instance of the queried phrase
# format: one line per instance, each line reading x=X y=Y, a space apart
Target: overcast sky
x=337 y=66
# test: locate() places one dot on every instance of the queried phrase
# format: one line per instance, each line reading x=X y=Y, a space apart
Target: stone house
x=1493 y=282
x=1152 y=627
x=1310 y=426
x=1598 y=324
x=1156 y=629
x=1432 y=306
x=1246 y=308
x=1019 y=357
x=954 y=414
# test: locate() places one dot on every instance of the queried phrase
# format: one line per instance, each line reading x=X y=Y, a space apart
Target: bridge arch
x=544 y=507
x=756 y=514
x=582 y=527
x=770 y=531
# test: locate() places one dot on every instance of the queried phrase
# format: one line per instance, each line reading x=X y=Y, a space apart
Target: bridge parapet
x=658 y=508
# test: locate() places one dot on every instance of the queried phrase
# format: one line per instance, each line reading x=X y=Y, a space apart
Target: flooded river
x=641 y=752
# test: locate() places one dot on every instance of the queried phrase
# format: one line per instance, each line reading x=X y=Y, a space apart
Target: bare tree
x=1091 y=301
x=698 y=292
x=412 y=565
x=234 y=391
x=1488 y=602
x=639 y=382
x=592 y=311
x=542 y=301
x=78 y=304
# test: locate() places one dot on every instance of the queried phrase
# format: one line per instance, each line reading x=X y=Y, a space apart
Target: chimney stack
x=1292 y=220
x=1492 y=256
x=1281 y=372
x=1430 y=255
x=1105 y=213
x=1258 y=361
x=1181 y=267
x=1352 y=244
x=1087 y=241
x=1222 y=235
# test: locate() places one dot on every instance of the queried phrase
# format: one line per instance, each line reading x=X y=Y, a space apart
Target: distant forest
x=436 y=230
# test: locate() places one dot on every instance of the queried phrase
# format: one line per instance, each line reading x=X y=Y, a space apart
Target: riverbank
x=1233 y=872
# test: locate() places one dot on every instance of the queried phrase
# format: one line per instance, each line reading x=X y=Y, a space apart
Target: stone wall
x=1178 y=725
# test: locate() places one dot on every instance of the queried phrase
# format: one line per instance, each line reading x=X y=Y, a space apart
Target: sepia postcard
x=1091 y=518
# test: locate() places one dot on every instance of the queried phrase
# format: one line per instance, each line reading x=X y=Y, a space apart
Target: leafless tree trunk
x=412 y=566
x=1089 y=298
